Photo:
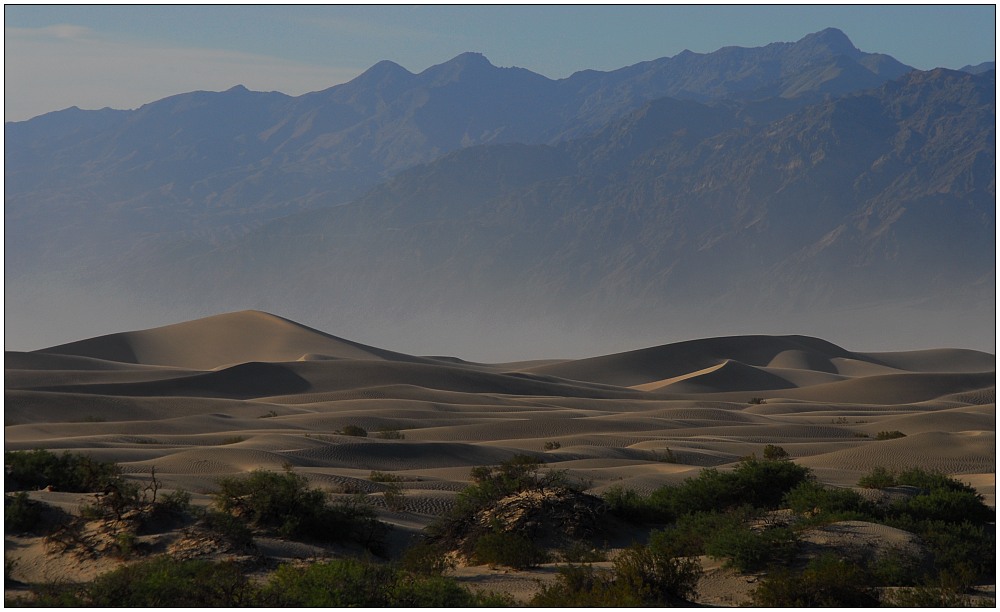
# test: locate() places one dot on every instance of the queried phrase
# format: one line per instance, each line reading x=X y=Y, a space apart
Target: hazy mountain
x=979 y=68
x=81 y=185
x=746 y=190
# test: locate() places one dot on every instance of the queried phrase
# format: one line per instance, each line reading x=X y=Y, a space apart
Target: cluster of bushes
x=491 y=544
x=641 y=576
x=169 y=582
x=285 y=504
x=71 y=472
x=759 y=483
x=949 y=517
x=125 y=506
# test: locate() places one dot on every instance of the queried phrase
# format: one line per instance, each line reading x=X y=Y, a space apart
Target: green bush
x=825 y=582
x=285 y=503
x=630 y=506
x=827 y=504
x=656 y=575
x=944 y=505
x=878 y=478
x=581 y=586
x=425 y=558
x=889 y=435
x=67 y=472
x=510 y=549
x=394 y=498
x=354 y=430
x=335 y=584
x=230 y=528
x=21 y=514
x=641 y=577
x=389 y=434
x=345 y=583
x=689 y=536
x=754 y=482
x=160 y=582
x=430 y=592
x=383 y=477
x=775 y=453
x=493 y=483
x=748 y=550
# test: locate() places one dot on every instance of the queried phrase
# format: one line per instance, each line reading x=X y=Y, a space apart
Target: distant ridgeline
x=789 y=178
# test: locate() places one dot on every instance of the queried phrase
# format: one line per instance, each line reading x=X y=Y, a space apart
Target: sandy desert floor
x=228 y=394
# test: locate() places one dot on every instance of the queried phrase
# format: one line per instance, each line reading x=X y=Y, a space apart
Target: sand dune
x=228 y=394
x=220 y=341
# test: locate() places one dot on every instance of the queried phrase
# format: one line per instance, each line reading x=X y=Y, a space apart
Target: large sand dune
x=231 y=393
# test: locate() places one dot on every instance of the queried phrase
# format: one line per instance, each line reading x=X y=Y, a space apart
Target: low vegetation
x=284 y=503
x=727 y=515
x=72 y=472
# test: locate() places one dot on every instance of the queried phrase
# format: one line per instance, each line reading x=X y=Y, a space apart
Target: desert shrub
x=763 y=483
x=285 y=503
x=552 y=445
x=119 y=497
x=430 y=592
x=339 y=583
x=896 y=568
x=160 y=582
x=126 y=544
x=877 y=478
x=389 y=434
x=425 y=558
x=354 y=430
x=826 y=504
x=173 y=506
x=656 y=575
x=510 y=549
x=964 y=552
x=630 y=506
x=229 y=527
x=881 y=478
x=69 y=472
x=352 y=583
x=747 y=550
x=775 y=453
x=578 y=586
x=492 y=483
x=889 y=435
x=21 y=514
x=689 y=535
x=944 y=505
x=394 y=498
x=383 y=477
x=825 y=582
x=640 y=578
x=754 y=482
x=755 y=401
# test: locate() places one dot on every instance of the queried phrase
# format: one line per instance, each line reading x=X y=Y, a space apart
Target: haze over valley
x=494 y=214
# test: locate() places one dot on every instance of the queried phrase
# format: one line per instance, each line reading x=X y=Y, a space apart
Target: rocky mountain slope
x=745 y=185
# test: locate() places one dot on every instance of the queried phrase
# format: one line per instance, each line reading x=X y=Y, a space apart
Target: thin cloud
x=56 y=67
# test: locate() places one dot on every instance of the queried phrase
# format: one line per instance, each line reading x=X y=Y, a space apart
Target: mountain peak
x=831 y=40
x=460 y=65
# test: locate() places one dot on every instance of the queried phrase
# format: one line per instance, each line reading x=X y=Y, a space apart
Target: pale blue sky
x=125 y=56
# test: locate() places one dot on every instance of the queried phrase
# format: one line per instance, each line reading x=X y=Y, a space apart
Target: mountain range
x=765 y=186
